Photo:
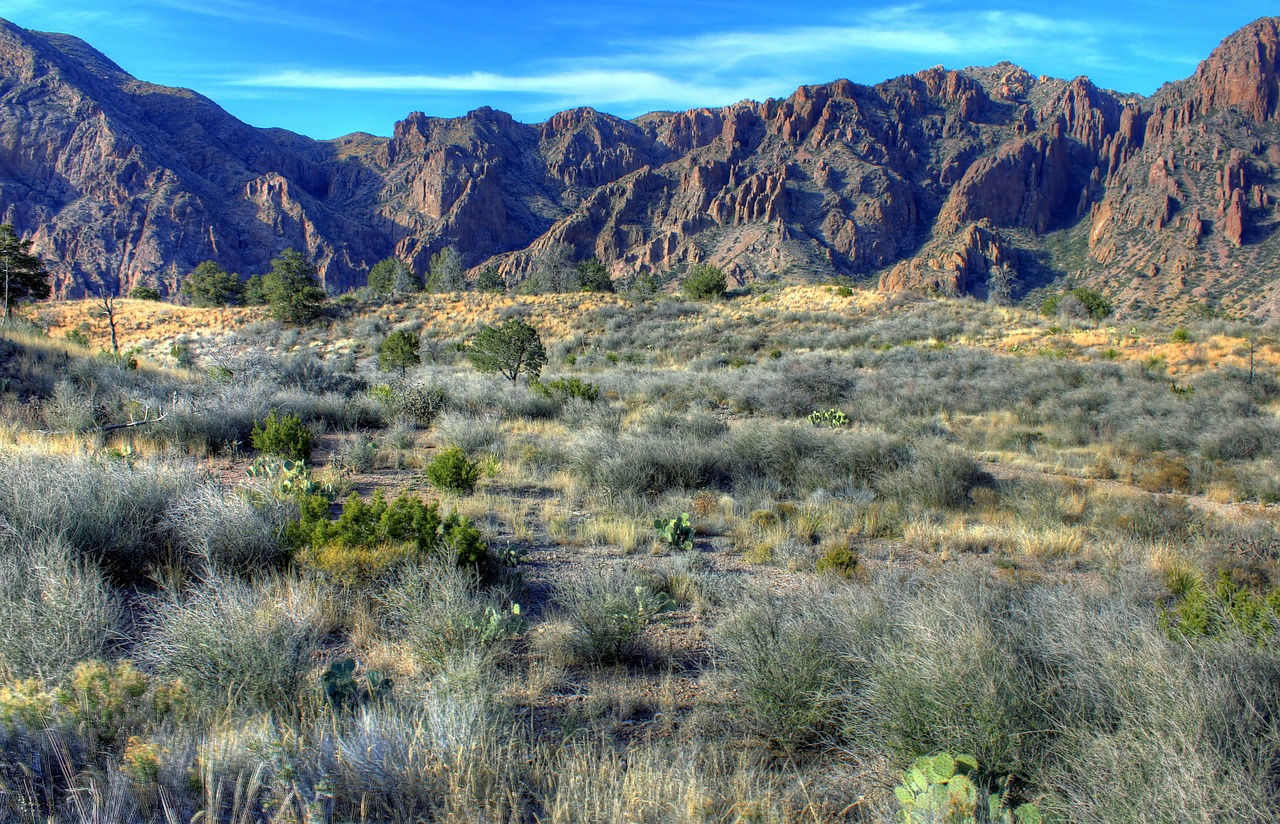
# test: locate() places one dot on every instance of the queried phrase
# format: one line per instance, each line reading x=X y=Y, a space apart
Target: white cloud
x=260 y=14
x=604 y=86
x=723 y=67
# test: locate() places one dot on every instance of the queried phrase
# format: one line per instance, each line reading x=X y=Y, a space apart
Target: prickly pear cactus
x=677 y=532
x=938 y=789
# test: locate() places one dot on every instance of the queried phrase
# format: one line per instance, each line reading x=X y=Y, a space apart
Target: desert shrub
x=565 y=389
x=107 y=512
x=795 y=459
x=1137 y=713
x=778 y=659
x=607 y=613
x=285 y=436
x=928 y=686
x=68 y=408
x=370 y=538
x=935 y=478
x=56 y=609
x=418 y=402
x=438 y=610
x=222 y=531
x=236 y=642
x=453 y=471
x=358 y=454
x=1241 y=441
x=704 y=282
x=471 y=433
x=635 y=463
x=801 y=460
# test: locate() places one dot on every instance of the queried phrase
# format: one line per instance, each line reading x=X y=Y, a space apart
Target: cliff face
x=939 y=180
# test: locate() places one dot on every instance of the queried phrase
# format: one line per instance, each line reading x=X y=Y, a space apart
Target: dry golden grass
x=140 y=323
x=153 y=326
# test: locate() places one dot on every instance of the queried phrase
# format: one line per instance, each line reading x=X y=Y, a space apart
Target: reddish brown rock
x=934 y=180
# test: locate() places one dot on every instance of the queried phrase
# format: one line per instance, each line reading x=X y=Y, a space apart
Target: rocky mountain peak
x=1243 y=72
x=984 y=180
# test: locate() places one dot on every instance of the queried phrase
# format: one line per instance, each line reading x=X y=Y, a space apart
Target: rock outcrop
x=952 y=181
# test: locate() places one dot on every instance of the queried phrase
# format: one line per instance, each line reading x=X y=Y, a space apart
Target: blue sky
x=326 y=68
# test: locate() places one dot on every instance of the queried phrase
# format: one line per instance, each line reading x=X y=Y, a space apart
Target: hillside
x=963 y=182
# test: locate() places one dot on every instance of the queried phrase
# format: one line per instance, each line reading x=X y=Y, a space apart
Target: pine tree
x=23 y=274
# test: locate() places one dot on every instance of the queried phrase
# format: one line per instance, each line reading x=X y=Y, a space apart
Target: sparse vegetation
x=740 y=560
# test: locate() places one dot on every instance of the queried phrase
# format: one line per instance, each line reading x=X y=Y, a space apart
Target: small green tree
x=509 y=349
x=283 y=435
x=253 y=293
x=491 y=280
x=593 y=276
x=144 y=292
x=211 y=285
x=704 y=282
x=292 y=290
x=1078 y=302
x=447 y=272
x=393 y=277
x=23 y=274
x=399 y=350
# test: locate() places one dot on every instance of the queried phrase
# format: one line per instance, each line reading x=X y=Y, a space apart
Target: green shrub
x=704 y=282
x=1223 y=610
x=145 y=293
x=453 y=471
x=292 y=290
x=210 y=285
x=1082 y=300
x=841 y=560
x=399 y=350
x=564 y=389
x=285 y=436
x=509 y=349
x=370 y=538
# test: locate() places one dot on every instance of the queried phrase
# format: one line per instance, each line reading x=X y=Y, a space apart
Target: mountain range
x=982 y=181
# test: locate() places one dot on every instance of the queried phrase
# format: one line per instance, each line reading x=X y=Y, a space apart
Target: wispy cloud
x=598 y=85
x=725 y=66
x=260 y=14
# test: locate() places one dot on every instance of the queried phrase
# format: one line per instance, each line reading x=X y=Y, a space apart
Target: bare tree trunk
x=8 y=310
x=109 y=306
